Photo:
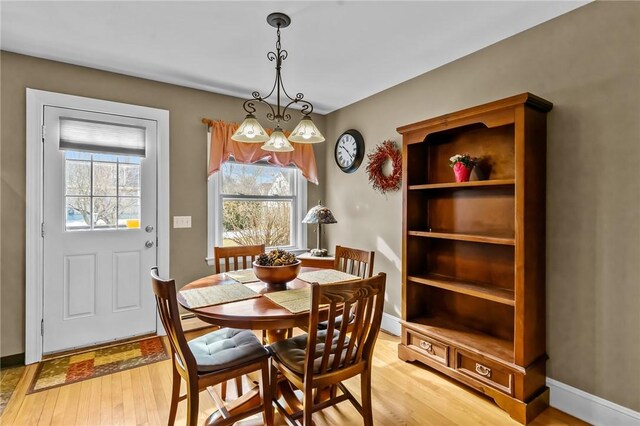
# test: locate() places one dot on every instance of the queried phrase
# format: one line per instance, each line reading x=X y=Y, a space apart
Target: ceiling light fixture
x=250 y=131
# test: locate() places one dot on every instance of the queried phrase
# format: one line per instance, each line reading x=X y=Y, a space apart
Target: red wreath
x=384 y=152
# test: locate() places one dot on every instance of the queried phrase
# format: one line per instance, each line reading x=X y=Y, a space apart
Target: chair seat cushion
x=291 y=352
x=226 y=348
x=324 y=324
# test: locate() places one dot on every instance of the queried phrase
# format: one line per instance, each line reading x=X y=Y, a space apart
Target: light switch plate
x=182 y=221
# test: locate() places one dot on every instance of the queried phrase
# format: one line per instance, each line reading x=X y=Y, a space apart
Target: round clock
x=349 y=151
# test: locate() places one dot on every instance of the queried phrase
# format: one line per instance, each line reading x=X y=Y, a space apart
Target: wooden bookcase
x=473 y=253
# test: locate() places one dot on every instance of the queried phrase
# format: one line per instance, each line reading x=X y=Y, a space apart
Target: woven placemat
x=295 y=301
x=217 y=295
x=327 y=276
x=243 y=276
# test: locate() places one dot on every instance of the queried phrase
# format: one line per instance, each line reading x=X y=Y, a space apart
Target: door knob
x=148 y=244
x=149 y=228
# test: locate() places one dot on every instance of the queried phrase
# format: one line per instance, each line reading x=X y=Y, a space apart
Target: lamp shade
x=319 y=214
x=306 y=132
x=250 y=131
x=278 y=142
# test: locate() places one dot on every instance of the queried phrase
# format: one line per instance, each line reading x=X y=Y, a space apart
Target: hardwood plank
x=138 y=396
x=117 y=407
x=106 y=406
x=128 y=405
x=149 y=399
x=71 y=407
x=49 y=407
x=95 y=410
x=82 y=417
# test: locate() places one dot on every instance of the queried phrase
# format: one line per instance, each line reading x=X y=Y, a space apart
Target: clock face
x=349 y=151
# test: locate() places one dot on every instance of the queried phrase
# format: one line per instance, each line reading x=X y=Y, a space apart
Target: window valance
x=222 y=147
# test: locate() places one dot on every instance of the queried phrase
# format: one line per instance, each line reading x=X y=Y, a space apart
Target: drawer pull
x=482 y=370
x=426 y=346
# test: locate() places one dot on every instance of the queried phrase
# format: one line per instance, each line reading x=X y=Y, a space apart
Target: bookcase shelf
x=464 y=237
x=473 y=267
x=481 y=290
x=460 y=185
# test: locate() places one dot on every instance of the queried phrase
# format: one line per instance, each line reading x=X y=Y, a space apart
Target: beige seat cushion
x=291 y=352
x=226 y=348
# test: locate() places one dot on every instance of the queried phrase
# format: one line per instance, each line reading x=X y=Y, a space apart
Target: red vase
x=462 y=172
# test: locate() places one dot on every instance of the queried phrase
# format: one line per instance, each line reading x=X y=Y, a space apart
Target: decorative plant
x=467 y=160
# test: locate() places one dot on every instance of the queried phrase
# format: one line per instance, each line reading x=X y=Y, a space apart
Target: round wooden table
x=258 y=313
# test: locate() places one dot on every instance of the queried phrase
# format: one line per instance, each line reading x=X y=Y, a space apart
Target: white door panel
x=99 y=237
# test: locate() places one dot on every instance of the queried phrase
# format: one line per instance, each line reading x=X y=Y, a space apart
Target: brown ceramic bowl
x=277 y=274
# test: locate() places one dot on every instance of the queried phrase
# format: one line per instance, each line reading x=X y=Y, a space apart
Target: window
x=257 y=203
x=102 y=191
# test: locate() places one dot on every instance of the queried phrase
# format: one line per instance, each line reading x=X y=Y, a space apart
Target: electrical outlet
x=182 y=221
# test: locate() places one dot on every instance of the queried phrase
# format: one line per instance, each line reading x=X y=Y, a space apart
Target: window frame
x=215 y=201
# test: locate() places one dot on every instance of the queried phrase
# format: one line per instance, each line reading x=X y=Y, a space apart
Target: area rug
x=10 y=378
x=98 y=362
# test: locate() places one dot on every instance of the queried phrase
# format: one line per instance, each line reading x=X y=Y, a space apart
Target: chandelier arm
x=249 y=106
x=307 y=107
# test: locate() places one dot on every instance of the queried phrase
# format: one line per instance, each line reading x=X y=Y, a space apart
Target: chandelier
x=251 y=131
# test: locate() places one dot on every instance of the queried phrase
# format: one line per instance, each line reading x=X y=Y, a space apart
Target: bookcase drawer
x=431 y=348
x=486 y=372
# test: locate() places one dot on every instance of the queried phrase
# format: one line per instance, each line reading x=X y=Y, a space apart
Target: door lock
x=149 y=228
x=148 y=244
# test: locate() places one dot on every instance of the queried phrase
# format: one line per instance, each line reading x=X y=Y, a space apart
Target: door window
x=102 y=191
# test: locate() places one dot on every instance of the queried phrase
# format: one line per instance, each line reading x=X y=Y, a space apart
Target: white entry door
x=99 y=209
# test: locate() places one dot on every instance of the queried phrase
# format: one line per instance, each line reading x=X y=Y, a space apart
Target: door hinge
x=42 y=229
x=43 y=132
x=42 y=327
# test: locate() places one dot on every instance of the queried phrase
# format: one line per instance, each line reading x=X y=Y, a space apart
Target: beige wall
x=588 y=64
x=188 y=165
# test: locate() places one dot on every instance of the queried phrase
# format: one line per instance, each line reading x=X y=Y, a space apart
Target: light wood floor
x=403 y=394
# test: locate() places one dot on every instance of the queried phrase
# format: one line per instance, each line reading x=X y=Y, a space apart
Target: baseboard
x=590 y=408
x=12 y=360
x=391 y=324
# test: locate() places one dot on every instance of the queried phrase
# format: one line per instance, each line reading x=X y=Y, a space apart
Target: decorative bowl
x=277 y=274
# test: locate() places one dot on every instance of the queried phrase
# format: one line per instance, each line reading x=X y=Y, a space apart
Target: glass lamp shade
x=306 y=132
x=319 y=214
x=250 y=131
x=278 y=142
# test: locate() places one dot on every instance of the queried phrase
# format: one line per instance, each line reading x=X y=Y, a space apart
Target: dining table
x=257 y=313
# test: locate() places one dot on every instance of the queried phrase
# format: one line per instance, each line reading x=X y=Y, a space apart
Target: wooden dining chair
x=322 y=359
x=354 y=261
x=242 y=257
x=210 y=359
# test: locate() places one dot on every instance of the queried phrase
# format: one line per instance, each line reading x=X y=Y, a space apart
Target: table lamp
x=321 y=215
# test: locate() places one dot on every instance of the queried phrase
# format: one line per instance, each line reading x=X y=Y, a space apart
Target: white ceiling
x=339 y=51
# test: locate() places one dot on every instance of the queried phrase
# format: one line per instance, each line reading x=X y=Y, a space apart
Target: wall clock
x=349 y=151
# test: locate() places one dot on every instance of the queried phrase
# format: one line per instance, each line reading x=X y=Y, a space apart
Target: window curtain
x=222 y=147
